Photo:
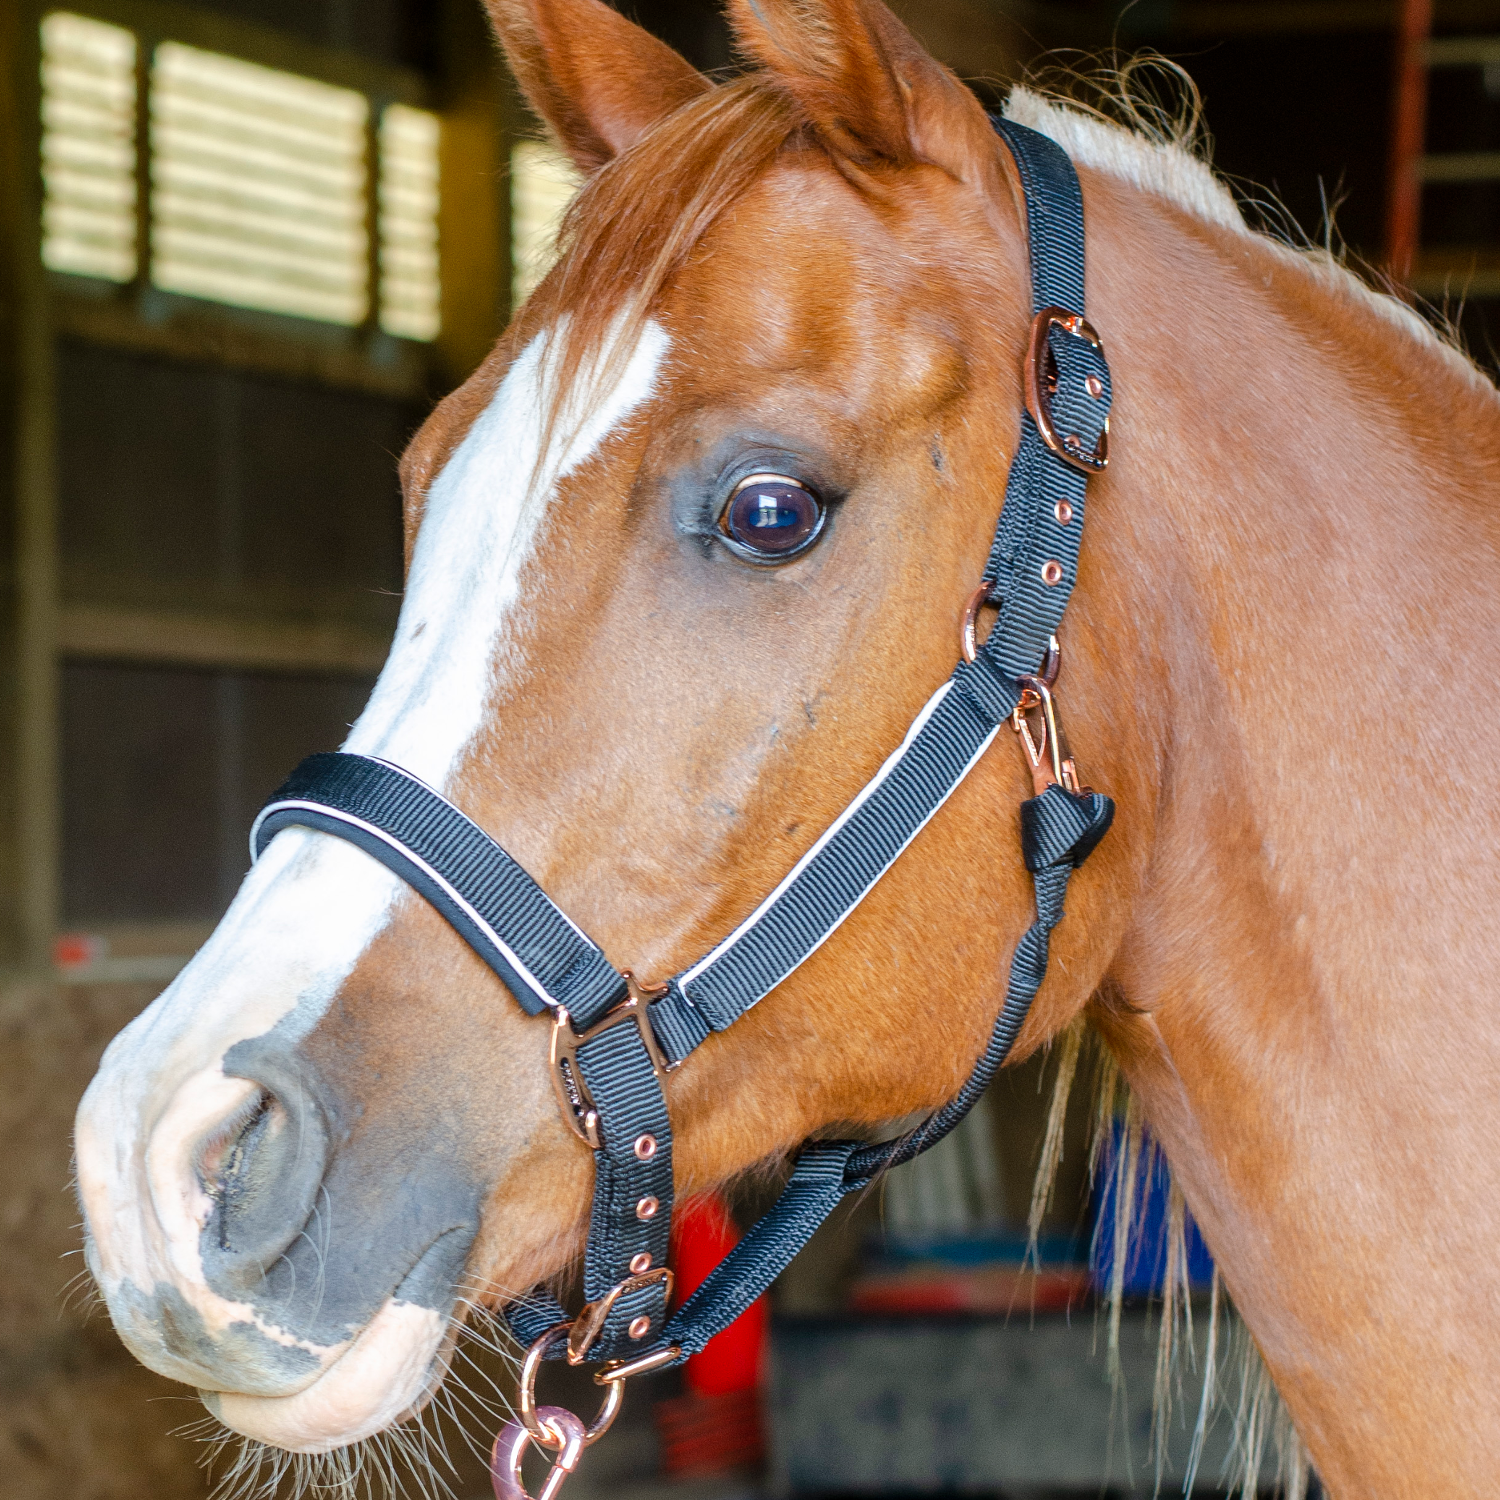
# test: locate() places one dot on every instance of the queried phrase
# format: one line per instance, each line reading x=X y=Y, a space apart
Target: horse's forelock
x=635 y=225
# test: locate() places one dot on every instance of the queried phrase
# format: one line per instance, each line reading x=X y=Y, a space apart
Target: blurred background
x=244 y=246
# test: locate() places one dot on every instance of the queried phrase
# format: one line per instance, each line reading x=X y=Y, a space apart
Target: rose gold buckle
x=573 y=1097
x=1041 y=385
x=589 y=1323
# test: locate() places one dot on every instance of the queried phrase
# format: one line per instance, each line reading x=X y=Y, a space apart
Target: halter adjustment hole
x=640 y=1263
x=1052 y=572
x=1063 y=511
x=646 y=1208
x=645 y=1147
x=639 y=1327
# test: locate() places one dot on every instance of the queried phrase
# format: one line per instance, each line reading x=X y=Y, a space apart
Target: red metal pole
x=717 y=1423
x=1408 y=132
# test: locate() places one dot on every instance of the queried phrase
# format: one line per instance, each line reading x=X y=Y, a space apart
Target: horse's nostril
x=226 y=1160
x=261 y=1170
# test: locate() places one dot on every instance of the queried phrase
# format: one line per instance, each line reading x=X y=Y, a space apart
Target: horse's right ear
x=598 y=80
x=869 y=88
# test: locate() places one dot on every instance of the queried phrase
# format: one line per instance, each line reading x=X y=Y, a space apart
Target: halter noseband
x=613 y=1040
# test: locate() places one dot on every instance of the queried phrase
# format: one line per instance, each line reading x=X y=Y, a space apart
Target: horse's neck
x=1314 y=946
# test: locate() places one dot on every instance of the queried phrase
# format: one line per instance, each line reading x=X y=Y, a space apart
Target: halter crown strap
x=548 y=963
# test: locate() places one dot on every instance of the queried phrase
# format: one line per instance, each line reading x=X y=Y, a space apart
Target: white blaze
x=312 y=905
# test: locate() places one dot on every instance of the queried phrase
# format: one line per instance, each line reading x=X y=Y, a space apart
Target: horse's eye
x=772 y=518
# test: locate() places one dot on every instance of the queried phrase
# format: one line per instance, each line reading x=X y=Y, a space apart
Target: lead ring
x=526 y=1401
x=1051 y=662
x=968 y=642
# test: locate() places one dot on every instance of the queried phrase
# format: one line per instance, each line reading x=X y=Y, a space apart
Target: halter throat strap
x=619 y=1042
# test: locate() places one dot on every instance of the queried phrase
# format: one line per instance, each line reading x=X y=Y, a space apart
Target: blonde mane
x=1164 y=154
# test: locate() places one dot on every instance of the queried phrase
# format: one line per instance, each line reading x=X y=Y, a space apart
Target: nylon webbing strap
x=1042 y=518
x=1054 y=216
x=494 y=904
x=947 y=738
x=634 y=1166
x=1056 y=827
x=547 y=962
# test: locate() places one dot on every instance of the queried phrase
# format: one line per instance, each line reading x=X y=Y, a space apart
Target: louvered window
x=88 y=147
x=265 y=189
x=408 y=222
x=257 y=186
x=543 y=182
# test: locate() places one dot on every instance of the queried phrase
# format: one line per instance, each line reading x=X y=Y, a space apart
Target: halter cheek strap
x=613 y=1043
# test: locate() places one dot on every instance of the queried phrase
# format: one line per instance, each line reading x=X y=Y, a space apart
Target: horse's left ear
x=871 y=90
x=599 y=80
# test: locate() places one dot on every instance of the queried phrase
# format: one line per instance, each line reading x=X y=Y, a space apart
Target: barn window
x=257 y=186
x=88 y=147
x=542 y=184
x=408 y=222
x=265 y=189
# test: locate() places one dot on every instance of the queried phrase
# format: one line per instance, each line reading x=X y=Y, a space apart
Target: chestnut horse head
x=334 y=1130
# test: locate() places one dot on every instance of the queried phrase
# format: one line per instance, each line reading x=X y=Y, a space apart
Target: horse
x=333 y=1135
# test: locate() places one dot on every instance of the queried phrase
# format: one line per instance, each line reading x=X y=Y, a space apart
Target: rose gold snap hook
x=562 y=1432
x=1046 y=753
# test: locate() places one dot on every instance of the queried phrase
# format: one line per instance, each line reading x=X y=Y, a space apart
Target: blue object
x=1146 y=1243
x=978 y=1248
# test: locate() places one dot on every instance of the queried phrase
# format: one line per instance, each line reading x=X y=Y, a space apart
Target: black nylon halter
x=617 y=1042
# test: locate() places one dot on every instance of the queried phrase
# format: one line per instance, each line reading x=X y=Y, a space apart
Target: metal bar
x=29 y=807
x=33 y=815
x=1463 y=51
x=1460 y=166
x=1408 y=130
x=101 y=633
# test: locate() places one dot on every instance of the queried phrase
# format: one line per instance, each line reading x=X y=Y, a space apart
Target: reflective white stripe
x=391 y=765
x=891 y=762
x=522 y=972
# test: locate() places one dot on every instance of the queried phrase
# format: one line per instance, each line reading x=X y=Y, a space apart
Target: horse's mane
x=1163 y=149
x=638 y=221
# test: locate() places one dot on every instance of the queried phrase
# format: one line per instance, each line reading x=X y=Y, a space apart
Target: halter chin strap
x=613 y=1042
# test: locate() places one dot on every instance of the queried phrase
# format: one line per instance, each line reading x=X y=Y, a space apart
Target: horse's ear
x=871 y=90
x=598 y=80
